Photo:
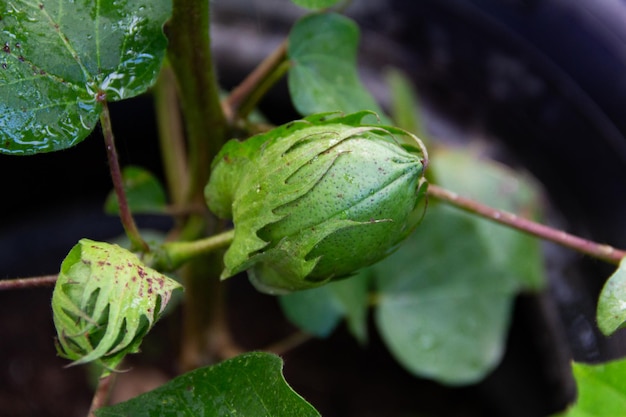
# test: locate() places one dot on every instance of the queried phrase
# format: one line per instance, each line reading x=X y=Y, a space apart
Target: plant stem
x=244 y=98
x=600 y=251
x=14 y=284
x=189 y=52
x=177 y=253
x=128 y=222
x=101 y=395
x=171 y=136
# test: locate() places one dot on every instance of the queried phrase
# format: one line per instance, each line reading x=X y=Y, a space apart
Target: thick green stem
x=189 y=53
x=600 y=251
x=126 y=217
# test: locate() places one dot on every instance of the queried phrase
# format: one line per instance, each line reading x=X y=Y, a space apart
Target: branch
x=118 y=182
x=600 y=251
x=18 y=283
x=244 y=98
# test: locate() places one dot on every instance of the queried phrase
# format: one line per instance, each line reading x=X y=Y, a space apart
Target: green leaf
x=405 y=108
x=323 y=76
x=144 y=193
x=315 y=4
x=248 y=385
x=611 y=314
x=601 y=390
x=318 y=311
x=443 y=309
x=104 y=303
x=60 y=60
x=518 y=255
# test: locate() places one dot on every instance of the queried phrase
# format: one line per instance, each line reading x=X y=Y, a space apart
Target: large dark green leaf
x=61 y=59
x=249 y=385
x=323 y=76
x=612 y=302
x=601 y=390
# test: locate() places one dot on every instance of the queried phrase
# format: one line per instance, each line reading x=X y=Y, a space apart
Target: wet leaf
x=323 y=76
x=104 y=303
x=601 y=390
x=443 y=309
x=59 y=61
x=611 y=313
x=248 y=385
x=315 y=4
x=144 y=193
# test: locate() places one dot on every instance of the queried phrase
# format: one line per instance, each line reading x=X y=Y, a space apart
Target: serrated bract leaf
x=611 y=314
x=315 y=4
x=601 y=390
x=144 y=193
x=320 y=310
x=316 y=199
x=323 y=76
x=248 y=385
x=104 y=302
x=61 y=59
x=443 y=309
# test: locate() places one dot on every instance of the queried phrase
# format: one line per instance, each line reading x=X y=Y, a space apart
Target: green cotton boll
x=316 y=199
x=104 y=302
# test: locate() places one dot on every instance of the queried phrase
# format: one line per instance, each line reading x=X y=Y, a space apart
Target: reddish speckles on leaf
x=6 y=48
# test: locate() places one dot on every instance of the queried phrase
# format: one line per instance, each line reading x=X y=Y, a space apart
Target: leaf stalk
x=126 y=217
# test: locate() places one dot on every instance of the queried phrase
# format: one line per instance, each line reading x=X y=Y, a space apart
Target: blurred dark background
x=542 y=81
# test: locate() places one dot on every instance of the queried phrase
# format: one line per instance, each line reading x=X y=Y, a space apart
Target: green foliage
x=144 y=193
x=611 y=312
x=61 y=60
x=104 y=303
x=318 y=311
x=322 y=198
x=323 y=76
x=248 y=385
x=440 y=310
x=601 y=390
x=315 y=4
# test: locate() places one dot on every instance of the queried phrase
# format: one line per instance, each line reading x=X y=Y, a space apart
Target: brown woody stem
x=15 y=284
x=600 y=251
